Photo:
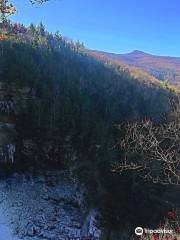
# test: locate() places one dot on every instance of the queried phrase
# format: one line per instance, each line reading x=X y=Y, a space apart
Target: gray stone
x=40 y=211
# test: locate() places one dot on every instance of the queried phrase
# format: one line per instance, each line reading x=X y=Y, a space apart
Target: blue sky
x=111 y=25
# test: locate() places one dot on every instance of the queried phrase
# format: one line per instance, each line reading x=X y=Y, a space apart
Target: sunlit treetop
x=6 y=10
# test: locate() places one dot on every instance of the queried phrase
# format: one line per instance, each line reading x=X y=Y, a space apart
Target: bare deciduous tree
x=153 y=150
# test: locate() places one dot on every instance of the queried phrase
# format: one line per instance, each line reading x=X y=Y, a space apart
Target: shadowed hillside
x=60 y=107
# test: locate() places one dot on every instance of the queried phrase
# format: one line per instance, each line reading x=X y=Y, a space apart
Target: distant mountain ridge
x=164 y=68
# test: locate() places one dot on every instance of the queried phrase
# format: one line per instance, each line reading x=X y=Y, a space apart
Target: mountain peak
x=137 y=52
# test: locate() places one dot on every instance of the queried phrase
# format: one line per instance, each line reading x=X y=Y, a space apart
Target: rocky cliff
x=48 y=206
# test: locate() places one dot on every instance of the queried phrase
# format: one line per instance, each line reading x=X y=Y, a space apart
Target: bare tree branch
x=151 y=149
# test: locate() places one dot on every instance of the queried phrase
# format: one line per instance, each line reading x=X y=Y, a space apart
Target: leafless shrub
x=153 y=150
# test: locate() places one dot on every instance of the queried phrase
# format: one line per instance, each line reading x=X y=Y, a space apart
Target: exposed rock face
x=90 y=226
x=7 y=107
x=49 y=206
x=7 y=146
x=46 y=206
x=10 y=98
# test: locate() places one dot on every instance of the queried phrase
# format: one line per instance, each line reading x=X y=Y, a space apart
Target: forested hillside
x=65 y=106
x=69 y=93
x=164 y=68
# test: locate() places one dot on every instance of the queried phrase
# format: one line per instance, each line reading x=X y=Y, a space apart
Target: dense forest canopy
x=71 y=103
